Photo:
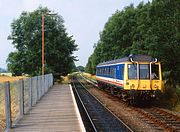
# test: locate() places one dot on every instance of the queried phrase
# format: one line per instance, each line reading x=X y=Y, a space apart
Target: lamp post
x=43 y=65
x=43 y=45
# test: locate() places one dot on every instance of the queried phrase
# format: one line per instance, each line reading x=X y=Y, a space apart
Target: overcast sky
x=83 y=19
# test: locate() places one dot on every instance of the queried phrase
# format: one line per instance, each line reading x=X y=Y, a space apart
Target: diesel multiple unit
x=136 y=76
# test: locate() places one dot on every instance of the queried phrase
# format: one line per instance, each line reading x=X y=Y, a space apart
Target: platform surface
x=55 y=112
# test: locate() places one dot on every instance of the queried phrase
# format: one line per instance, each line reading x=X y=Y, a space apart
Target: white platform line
x=77 y=111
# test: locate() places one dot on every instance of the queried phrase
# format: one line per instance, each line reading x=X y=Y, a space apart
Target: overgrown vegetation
x=26 y=37
x=65 y=79
x=152 y=29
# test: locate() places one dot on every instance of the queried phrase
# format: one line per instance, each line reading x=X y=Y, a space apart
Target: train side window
x=132 y=71
x=106 y=71
x=123 y=72
x=155 y=72
x=114 y=72
x=109 y=73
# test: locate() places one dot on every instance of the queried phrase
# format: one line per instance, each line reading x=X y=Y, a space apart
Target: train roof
x=138 y=57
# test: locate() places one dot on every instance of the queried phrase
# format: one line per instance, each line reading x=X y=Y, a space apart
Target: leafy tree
x=116 y=38
x=90 y=67
x=160 y=34
x=26 y=37
x=80 y=68
x=152 y=28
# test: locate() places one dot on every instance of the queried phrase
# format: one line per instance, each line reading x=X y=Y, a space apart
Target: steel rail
x=82 y=104
x=157 y=121
x=105 y=106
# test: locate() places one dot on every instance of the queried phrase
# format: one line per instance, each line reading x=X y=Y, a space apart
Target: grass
x=89 y=76
x=65 y=79
x=14 y=99
x=11 y=79
x=2 y=112
x=177 y=107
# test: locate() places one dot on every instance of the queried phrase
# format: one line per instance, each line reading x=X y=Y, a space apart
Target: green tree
x=90 y=66
x=80 y=68
x=152 y=28
x=160 y=27
x=26 y=38
x=115 y=39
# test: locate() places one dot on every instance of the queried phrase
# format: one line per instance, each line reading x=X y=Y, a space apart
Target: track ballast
x=100 y=116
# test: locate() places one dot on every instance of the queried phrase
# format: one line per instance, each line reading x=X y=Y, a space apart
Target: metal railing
x=18 y=97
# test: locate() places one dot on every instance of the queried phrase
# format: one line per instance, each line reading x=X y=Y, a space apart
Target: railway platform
x=56 y=112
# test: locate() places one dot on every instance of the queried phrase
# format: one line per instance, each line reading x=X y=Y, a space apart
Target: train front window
x=144 y=71
x=132 y=71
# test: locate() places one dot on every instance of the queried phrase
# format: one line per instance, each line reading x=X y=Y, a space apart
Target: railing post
x=7 y=105
x=44 y=84
x=41 y=87
x=37 y=89
x=30 y=93
x=21 y=98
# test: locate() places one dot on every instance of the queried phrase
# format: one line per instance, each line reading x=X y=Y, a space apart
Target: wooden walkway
x=55 y=112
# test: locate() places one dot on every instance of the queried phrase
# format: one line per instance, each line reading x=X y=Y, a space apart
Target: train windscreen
x=143 y=71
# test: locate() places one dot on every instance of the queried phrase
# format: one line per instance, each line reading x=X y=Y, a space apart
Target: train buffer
x=56 y=112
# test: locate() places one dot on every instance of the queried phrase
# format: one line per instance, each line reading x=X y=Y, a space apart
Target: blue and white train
x=136 y=76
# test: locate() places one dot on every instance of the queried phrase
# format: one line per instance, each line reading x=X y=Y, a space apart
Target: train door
x=156 y=77
x=130 y=76
x=120 y=74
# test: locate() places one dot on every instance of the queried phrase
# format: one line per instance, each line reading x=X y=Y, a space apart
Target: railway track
x=158 y=118
x=100 y=117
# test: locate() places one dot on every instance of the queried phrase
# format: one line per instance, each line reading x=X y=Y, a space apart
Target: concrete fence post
x=43 y=84
x=41 y=87
x=21 y=98
x=7 y=105
x=30 y=93
x=37 y=89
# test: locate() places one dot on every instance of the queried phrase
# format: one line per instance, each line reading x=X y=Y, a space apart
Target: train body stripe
x=110 y=81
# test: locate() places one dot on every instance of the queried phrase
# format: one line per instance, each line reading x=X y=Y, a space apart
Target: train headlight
x=132 y=86
x=144 y=86
x=156 y=86
x=127 y=83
